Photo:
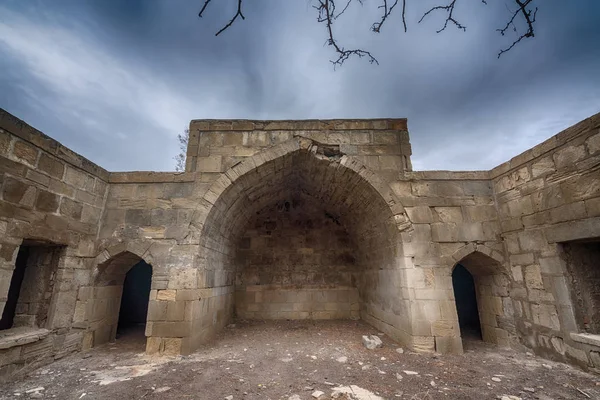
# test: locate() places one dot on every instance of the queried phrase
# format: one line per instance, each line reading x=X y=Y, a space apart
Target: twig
x=449 y=18
x=237 y=14
x=529 y=16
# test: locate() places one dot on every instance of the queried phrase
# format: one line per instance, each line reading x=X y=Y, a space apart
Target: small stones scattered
x=342 y=359
x=496 y=379
x=35 y=392
x=317 y=393
x=162 y=389
x=508 y=397
x=230 y=397
x=529 y=389
x=372 y=342
x=411 y=372
x=294 y=397
x=400 y=350
x=399 y=376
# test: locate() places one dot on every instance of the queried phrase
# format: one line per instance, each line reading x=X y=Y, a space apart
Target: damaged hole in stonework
x=584 y=271
x=31 y=286
x=134 y=301
x=466 y=303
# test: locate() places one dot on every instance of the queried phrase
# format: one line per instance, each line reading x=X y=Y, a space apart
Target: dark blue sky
x=117 y=80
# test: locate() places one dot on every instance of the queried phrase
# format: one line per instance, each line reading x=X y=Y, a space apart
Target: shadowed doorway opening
x=466 y=303
x=134 y=301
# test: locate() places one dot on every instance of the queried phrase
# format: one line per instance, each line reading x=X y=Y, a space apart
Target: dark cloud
x=116 y=81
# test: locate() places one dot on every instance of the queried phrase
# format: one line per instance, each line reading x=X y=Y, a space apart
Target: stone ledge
x=586 y=338
x=20 y=336
x=203 y=125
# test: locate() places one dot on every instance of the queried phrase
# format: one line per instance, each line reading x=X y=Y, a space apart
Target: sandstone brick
x=167 y=295
x=567 y=156
x=542 y=167
x=51 y=166
x=209 y=164
x=25 y=152
x=46 y=201
x=13 y=190
x=533 y=277
x=71 y=208
x=593 y=143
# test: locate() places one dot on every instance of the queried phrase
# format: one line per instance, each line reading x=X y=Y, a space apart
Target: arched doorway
x=119 y=299
x=482 y=300
x=302 y=234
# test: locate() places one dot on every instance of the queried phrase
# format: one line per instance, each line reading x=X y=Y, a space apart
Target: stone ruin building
x=300 y=220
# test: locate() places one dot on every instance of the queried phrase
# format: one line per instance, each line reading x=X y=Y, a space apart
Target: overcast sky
x=117 y=80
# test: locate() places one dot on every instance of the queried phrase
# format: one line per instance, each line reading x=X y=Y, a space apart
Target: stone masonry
x=300 y=220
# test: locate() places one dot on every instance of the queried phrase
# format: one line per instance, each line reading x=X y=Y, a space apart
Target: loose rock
x=317 y=393
x=372 y=342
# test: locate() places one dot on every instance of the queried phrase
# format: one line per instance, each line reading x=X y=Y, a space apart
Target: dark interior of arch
x=134 y=300
x=302 y=237
x=466 y=303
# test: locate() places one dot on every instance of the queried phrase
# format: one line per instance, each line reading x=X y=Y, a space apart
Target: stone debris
x=399 y=376
x=411 y=372
x=508 y=397
x=37 y=389
x=342 y=359
x=529 y=389
x=372 y=342
x=496 y=379
x=294 y=397
x=400 y=350
x=317 y=393
x=229 y=397
x=162 y=389
x=355 y=393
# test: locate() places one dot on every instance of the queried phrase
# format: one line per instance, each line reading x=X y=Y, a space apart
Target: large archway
x=303 y=233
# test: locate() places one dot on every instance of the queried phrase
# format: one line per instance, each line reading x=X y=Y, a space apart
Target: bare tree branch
x=449 y=18
x=529 y=16
x=237 y=14
x=326 y=9
x=376 y=27
x=327 y=14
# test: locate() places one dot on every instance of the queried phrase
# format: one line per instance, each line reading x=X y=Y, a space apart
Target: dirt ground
x=293 y=359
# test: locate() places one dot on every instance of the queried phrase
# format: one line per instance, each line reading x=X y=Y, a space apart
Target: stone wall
x=454 y=220
x=51 y=201
x=548 y=196
x=296 y=261
x=301 y=219
x=216 y=145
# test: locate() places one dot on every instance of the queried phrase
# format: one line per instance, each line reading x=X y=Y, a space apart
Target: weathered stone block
x=533 y=277
x=51 y=166
x=46 y=201
x=25 y=152
x=568 y=156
